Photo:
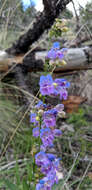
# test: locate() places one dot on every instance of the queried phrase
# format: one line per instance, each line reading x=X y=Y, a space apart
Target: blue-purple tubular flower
x=49 y=118
x=62 y=83
x=55 y=52
x=49 y=164
x=33 y=117
x=56 y=45
x=47 y=137
x=41 y=159
x=50 y=179
x=59 y=107
x=40 y=186
x=56 y=87
x=63 y=94
x=44 y=184
x=64 y=50
x=36 y=132
x=59 y=54
x=57 y=132
x=52 y=176
x=56 y=164
x=52 y=54
x=51 y=157
x=42 y=148
x=40 y=105
x=46 y=85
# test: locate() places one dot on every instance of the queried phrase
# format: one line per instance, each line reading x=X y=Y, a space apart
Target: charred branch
x=43 y=22
x=31 y=64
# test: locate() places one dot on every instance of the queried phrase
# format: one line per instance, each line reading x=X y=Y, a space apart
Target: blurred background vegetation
x=14 y=20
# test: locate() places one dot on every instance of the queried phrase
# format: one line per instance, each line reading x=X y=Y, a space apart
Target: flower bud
x=33 y=151
x=63 y=62
x=61 y=114
x=40 y=112
x=37 y=118
x=65 y=29
x=40 y=95
x=36 y=175
x=51 y=62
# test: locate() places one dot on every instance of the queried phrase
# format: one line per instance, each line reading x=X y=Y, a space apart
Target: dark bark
x=21 y=82
x=43 y=22
x=30 y=64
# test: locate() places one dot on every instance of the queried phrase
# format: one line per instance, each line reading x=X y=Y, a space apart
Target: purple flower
x=56 y=87
x=45 y=169
x=44 y=184
x=33 y=119
x=39 y=186
x=60 y=88
x=48 y=182
x=41 y=159
x=46 y=136
x=42 y=148
x=67 y=85
x=62 y=83
x=50 y=121
x=59 y=107
x=63 y=94
x=40 y=105
x=59 y=54
x=64 y=50
x=46 y=85
x=43 y=126
x=56 y=163
x=50 y=118
x=56 y=45
x=46 y=78
x=52 y=176
x=50 y=112
x=52 y=54
x=36 y=132
x=55 y=52
x=52 y=166
x=57 y=132
x=51 y=157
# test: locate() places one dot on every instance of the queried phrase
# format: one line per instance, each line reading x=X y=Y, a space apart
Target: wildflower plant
x=44 y=116
x=44 y=120
x=55 y=56
x=58 y=28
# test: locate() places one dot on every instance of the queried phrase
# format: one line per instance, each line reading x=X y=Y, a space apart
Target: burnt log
x=76 y=58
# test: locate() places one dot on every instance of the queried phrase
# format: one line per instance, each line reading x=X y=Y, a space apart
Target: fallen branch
x=76 y=58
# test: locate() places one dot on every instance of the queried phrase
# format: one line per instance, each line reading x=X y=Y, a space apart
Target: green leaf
x=25 y=185
x=17 y=174
x=10 y=185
